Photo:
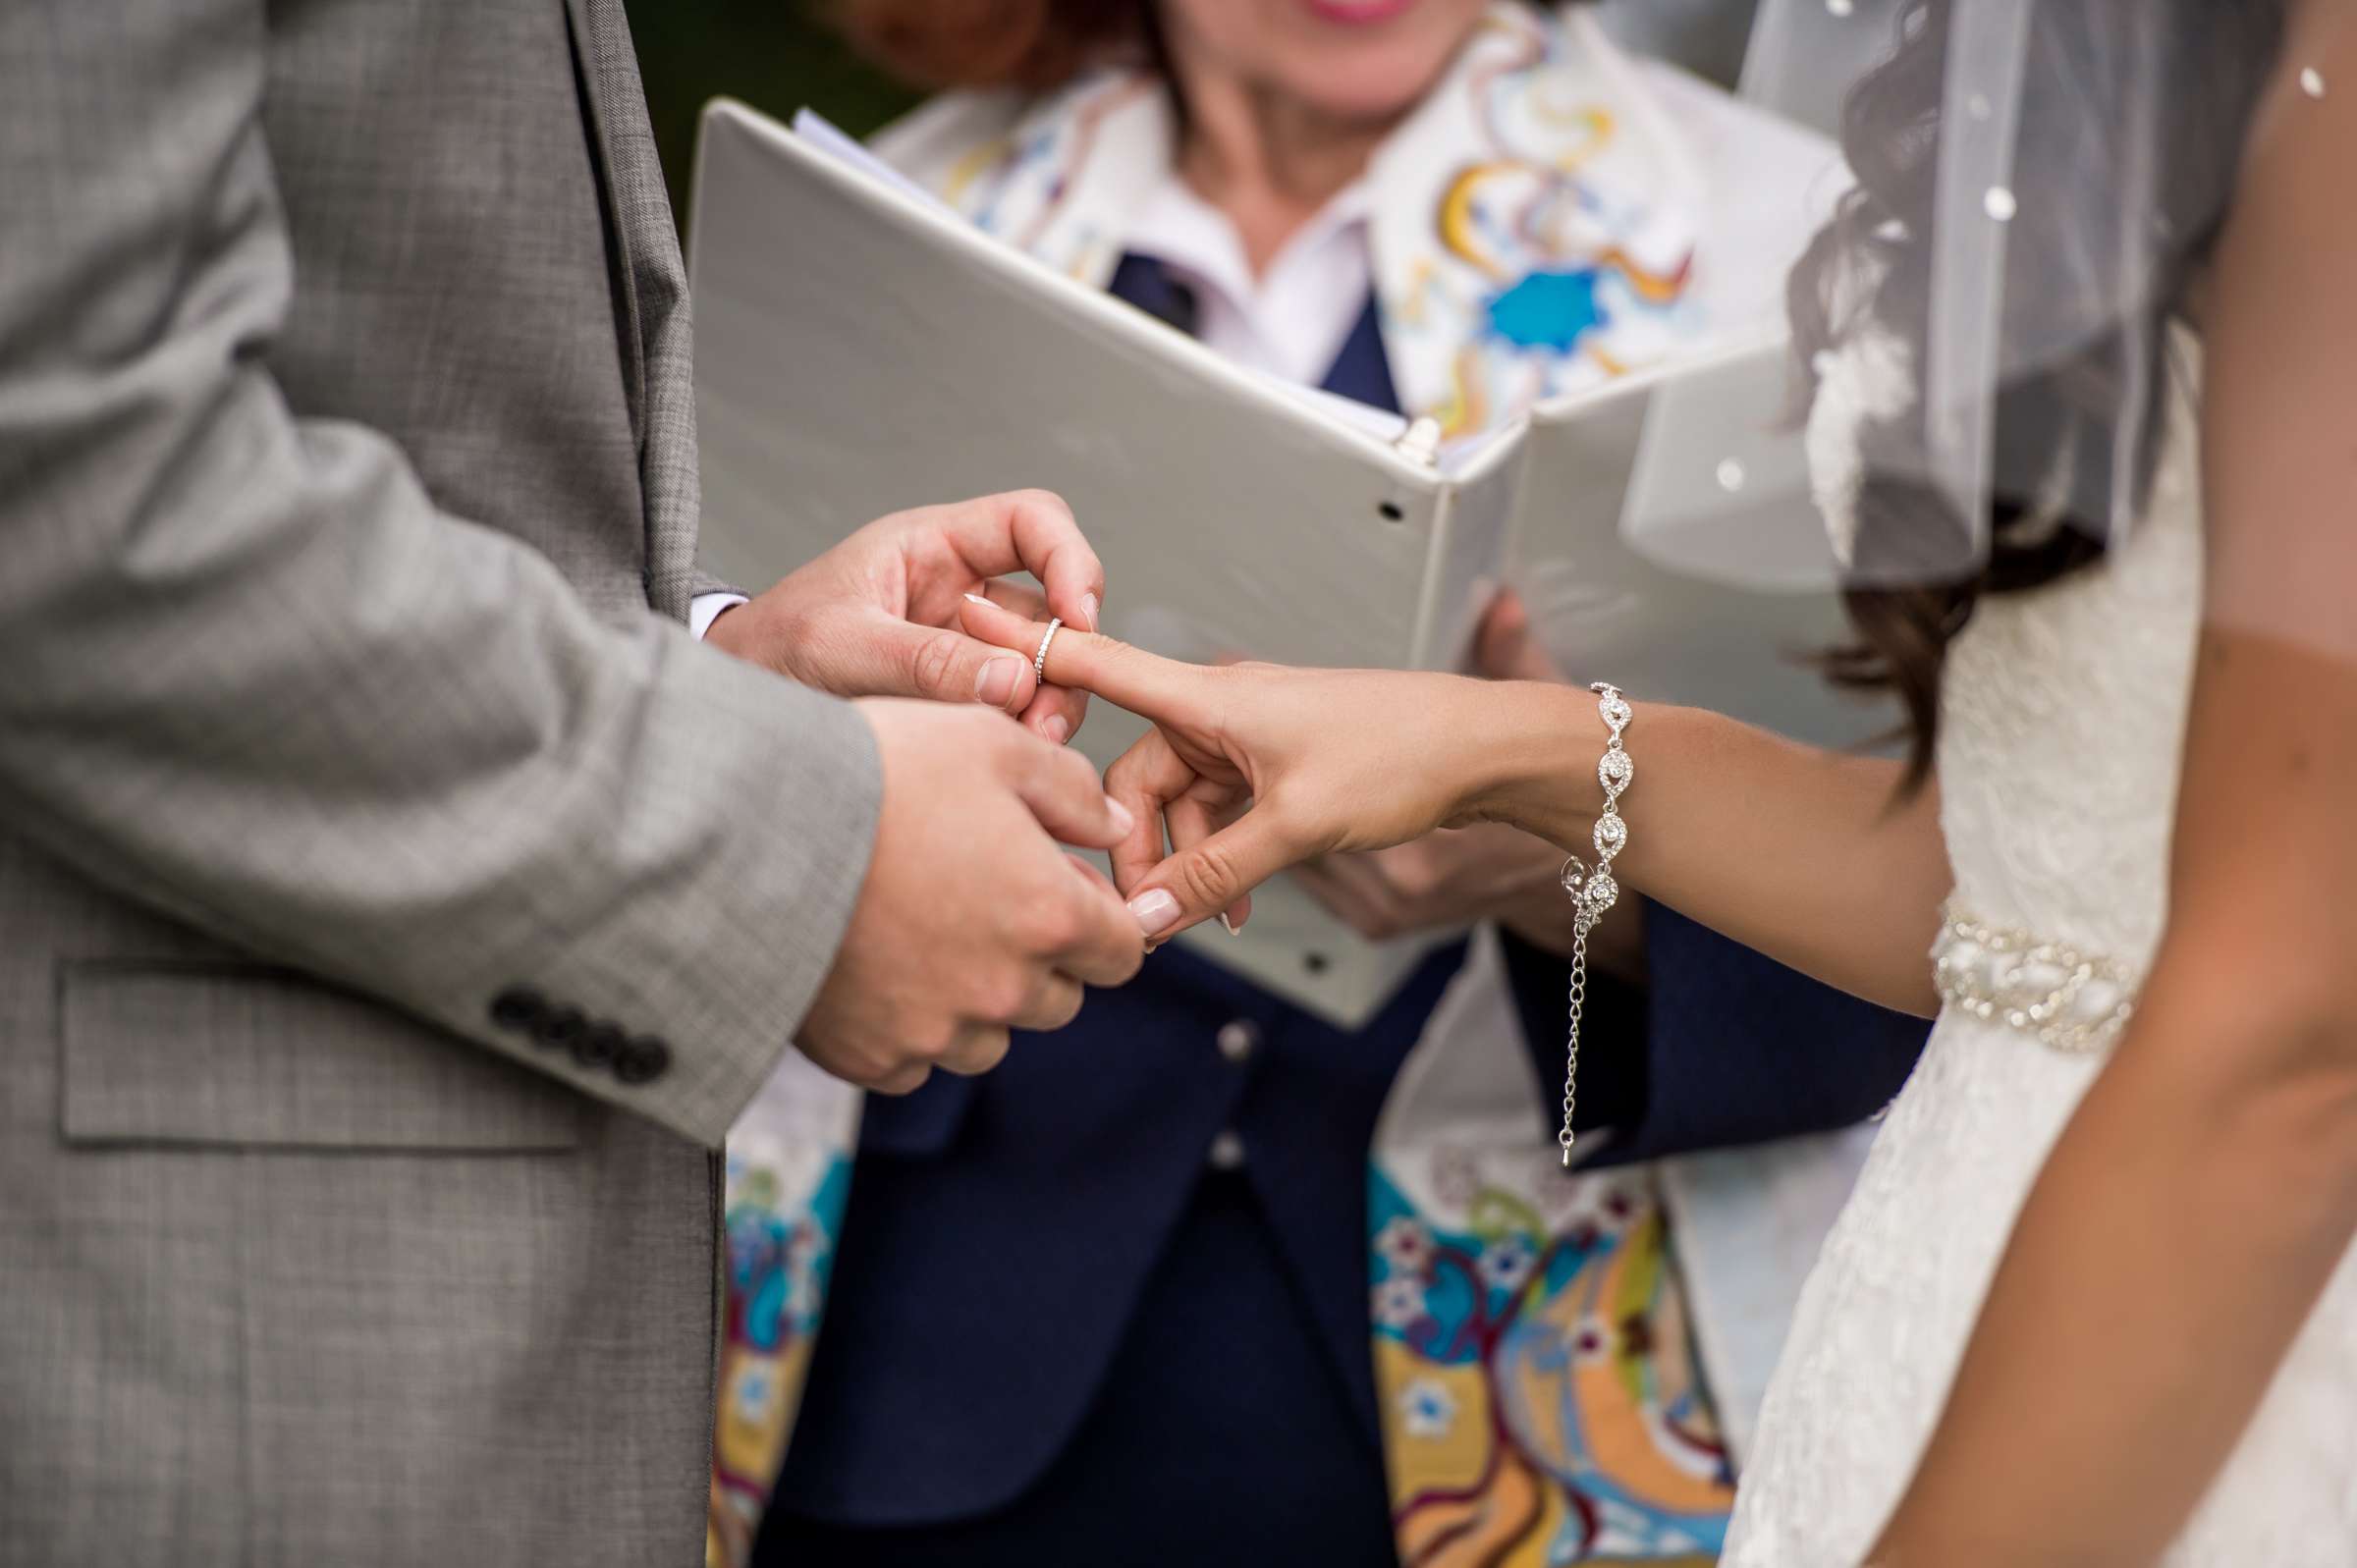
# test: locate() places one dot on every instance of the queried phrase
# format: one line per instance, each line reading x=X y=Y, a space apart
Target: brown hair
x=1032 y=44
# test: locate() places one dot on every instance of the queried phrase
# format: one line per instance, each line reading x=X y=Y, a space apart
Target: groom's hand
x=1250 y=768
x=877 y=615
x=972 y=921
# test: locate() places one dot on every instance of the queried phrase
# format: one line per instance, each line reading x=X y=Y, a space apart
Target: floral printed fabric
x=1541 y=1402
x=787 y=1190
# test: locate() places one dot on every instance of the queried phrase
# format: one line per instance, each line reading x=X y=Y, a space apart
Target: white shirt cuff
x=705 y=609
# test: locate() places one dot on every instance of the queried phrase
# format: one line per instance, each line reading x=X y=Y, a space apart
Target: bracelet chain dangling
x=1594 y=892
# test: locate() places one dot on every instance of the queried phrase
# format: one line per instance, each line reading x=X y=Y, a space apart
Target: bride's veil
x=1979 y=334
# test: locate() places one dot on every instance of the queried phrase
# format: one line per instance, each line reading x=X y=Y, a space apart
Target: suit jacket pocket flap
x=215 y=1055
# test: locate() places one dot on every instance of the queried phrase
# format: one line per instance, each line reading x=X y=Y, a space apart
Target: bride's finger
x=1054 y=712
x=1160 y=689
x=1201 y=881
x=1198 y=813
x=1145 y=779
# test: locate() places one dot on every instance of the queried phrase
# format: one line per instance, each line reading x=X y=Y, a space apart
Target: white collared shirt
x=1291 y=320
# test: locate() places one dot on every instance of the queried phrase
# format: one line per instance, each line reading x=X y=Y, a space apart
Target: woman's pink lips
x=1356 y=12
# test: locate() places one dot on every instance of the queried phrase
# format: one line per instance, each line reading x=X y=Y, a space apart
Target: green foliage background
x=777 y=55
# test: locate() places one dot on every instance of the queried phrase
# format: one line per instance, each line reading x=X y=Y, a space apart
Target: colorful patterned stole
x=788 y=1179
x=1536 y=218
x=1542 y=1403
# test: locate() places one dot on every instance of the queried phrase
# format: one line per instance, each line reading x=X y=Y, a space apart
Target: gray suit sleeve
x=707 y=581
x=250 y=674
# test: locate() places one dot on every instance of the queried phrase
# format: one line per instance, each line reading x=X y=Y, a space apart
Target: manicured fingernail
x=1057 y=728
x=1228 y=925
x=1088 y=611
x=1122 y=822
x=1155 y=911
x=977 y=599
x=995 y=682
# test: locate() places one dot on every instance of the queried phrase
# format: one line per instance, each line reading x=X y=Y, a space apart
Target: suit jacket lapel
x=650 y=288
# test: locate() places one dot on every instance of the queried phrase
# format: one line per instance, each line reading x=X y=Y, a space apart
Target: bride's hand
x=1253 y=768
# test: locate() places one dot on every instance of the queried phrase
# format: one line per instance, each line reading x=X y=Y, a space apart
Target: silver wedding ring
x=1039 y=660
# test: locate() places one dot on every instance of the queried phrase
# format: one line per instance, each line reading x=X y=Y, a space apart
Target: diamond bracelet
x=1594 y=892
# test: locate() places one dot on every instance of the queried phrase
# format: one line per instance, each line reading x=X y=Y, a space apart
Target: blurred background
x=780 y=55
x=777 y=55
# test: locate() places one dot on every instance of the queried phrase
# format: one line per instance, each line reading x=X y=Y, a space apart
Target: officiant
x=1174 y=1283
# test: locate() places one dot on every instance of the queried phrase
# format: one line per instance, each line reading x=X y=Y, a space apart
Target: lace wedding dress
x=2065 y=712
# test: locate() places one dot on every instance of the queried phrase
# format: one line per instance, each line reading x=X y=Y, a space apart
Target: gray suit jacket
x=396 y=905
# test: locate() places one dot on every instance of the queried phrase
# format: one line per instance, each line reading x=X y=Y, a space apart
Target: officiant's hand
x=1456 y=877
x=877 y=615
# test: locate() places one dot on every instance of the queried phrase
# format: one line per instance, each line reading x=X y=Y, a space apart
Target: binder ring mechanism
x=1420 y=442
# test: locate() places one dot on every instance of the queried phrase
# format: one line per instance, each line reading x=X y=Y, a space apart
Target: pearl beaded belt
x=2054 y=993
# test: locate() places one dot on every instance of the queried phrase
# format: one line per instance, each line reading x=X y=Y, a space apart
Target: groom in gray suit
x=397 y=903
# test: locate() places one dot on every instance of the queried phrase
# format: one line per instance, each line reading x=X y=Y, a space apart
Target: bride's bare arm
x=2206 y=1188
x=1816 y=858
x=1809 y=856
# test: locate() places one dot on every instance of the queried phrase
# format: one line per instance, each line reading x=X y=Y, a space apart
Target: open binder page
x=826 y=137
x=860 y=350
x=1679 y=613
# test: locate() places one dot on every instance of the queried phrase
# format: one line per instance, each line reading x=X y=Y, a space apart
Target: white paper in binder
x=861 y=348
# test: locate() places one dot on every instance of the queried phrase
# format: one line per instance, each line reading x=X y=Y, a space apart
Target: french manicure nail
x=1227 y=925
x=995 y=682
x=1088 y=611
x=977 y=599
x=1122 y=821
x=1155 y=911
x=1057 y=728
